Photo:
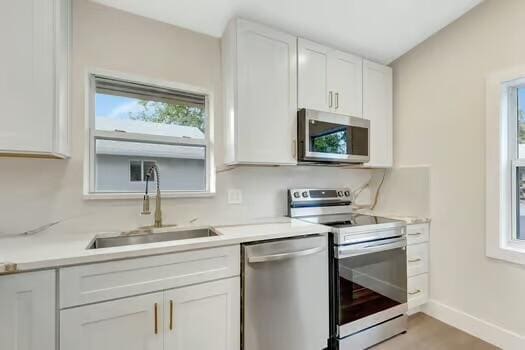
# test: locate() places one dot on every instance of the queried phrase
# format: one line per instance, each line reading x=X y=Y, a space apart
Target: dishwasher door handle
x=284 y=256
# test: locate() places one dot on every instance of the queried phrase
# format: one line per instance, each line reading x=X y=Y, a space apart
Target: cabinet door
x=34 y=36
x=377 y=107
x=27 y=311
x=204 y=316
x=130 y=323
x=312 y=78
x=345 y=79
x=267 y=95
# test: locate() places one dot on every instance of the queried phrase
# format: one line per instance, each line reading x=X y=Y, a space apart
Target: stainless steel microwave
x=332 y=138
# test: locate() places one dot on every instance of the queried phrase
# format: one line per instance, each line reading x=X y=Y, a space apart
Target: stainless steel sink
x=149 y=236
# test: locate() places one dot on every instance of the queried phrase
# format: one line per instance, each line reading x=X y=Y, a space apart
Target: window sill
x=111 y=195
x=513 y=252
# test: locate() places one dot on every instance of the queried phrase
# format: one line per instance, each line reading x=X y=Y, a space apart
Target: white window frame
x=92 y=134
x=501 y=162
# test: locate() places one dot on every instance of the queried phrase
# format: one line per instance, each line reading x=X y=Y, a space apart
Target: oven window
x=337 y=139
x=370 y=283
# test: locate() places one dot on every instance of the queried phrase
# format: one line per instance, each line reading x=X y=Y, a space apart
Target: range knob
x=305 y=194
x=347 y=193
x=340 y=193
x=296 y=194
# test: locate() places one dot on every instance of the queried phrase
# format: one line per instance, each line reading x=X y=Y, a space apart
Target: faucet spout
x=158 y=210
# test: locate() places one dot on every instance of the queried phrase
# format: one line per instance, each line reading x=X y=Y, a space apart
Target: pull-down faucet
x=145 y=204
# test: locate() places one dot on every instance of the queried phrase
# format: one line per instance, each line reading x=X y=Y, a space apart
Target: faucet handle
x=145 y=205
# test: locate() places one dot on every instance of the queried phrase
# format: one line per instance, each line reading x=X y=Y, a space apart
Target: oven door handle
x=348 y=251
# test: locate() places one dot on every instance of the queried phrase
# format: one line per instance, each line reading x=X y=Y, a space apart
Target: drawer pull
x=414 y=233
x=156 y=318
x=417 y=291
x=414 y=260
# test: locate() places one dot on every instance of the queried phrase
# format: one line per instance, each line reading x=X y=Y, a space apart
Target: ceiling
x=381 y=30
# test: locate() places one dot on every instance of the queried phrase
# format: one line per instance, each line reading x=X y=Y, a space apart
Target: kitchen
x=90 y=268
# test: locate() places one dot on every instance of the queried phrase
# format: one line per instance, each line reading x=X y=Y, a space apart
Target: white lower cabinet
x=198 y=317
x=204 y=317
x=27 y=311
x=418 y=262
x=121 y=324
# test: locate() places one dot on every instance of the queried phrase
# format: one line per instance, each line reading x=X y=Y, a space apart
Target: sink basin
x=149 y=236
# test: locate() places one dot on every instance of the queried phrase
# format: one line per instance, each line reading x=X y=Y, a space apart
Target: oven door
x=370 y=284
x=330 y=137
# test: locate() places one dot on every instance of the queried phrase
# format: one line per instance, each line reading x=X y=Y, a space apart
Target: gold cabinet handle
x=171 y=315
x=156 y=318
x=417 y=291
x=414 y=260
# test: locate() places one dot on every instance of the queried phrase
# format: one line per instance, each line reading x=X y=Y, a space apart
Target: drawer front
x=417 y=290
x=418 y=233
x=104 y=281
x=417 y=259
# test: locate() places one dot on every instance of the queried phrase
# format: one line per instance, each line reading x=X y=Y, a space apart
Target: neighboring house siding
x=112 y=174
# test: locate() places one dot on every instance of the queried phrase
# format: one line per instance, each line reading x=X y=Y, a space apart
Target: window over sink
x=135 y=124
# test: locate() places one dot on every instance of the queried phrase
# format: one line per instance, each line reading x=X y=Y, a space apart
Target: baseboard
x=477 y=327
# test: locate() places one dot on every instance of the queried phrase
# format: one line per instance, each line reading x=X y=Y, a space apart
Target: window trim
x=500 y=165
x=91 y=134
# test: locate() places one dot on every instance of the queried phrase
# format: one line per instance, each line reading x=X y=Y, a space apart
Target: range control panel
x=308 y=194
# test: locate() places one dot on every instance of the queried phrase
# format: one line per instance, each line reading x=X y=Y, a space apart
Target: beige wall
x=34 y=192
x=439 y=120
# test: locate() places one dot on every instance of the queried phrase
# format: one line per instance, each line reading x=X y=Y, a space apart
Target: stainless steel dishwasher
x=285 y=294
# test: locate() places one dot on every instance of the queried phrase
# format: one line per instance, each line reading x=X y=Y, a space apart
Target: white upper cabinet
x=377 y=107
x=345 y=80
x=313 y=76
x=260 y=94
x=34 y=65
x=329 y=80
x=27 y=311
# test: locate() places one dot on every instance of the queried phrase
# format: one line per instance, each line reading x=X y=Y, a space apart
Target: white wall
x=439 y=99
x=35 y=192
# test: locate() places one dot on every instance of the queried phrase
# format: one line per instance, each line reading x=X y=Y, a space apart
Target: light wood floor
x=427 y=333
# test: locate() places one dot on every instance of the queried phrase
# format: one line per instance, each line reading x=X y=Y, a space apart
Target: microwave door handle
x=367 y=248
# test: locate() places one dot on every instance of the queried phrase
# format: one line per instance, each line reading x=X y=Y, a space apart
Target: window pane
x=135 y=170
x=521 y=122
x=182 y=168
x=127 y=114
x=520 y=219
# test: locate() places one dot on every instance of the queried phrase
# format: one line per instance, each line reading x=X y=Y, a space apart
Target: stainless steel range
x=368 y=277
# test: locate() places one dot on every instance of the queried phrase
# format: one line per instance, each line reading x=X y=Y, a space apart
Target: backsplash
x=43 y=191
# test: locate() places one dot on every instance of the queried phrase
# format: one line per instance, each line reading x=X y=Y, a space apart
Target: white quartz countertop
x=57 y=249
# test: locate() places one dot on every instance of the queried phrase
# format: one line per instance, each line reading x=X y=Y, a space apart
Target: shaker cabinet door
x=27 y=311
x=133 y=323
x=377 y=107
x=34 y=89
x=312 y=78
x=267 y=95
x=204 y=316
x=345 y=77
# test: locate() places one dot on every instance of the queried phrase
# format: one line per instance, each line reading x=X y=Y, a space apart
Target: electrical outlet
x=234 y=196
